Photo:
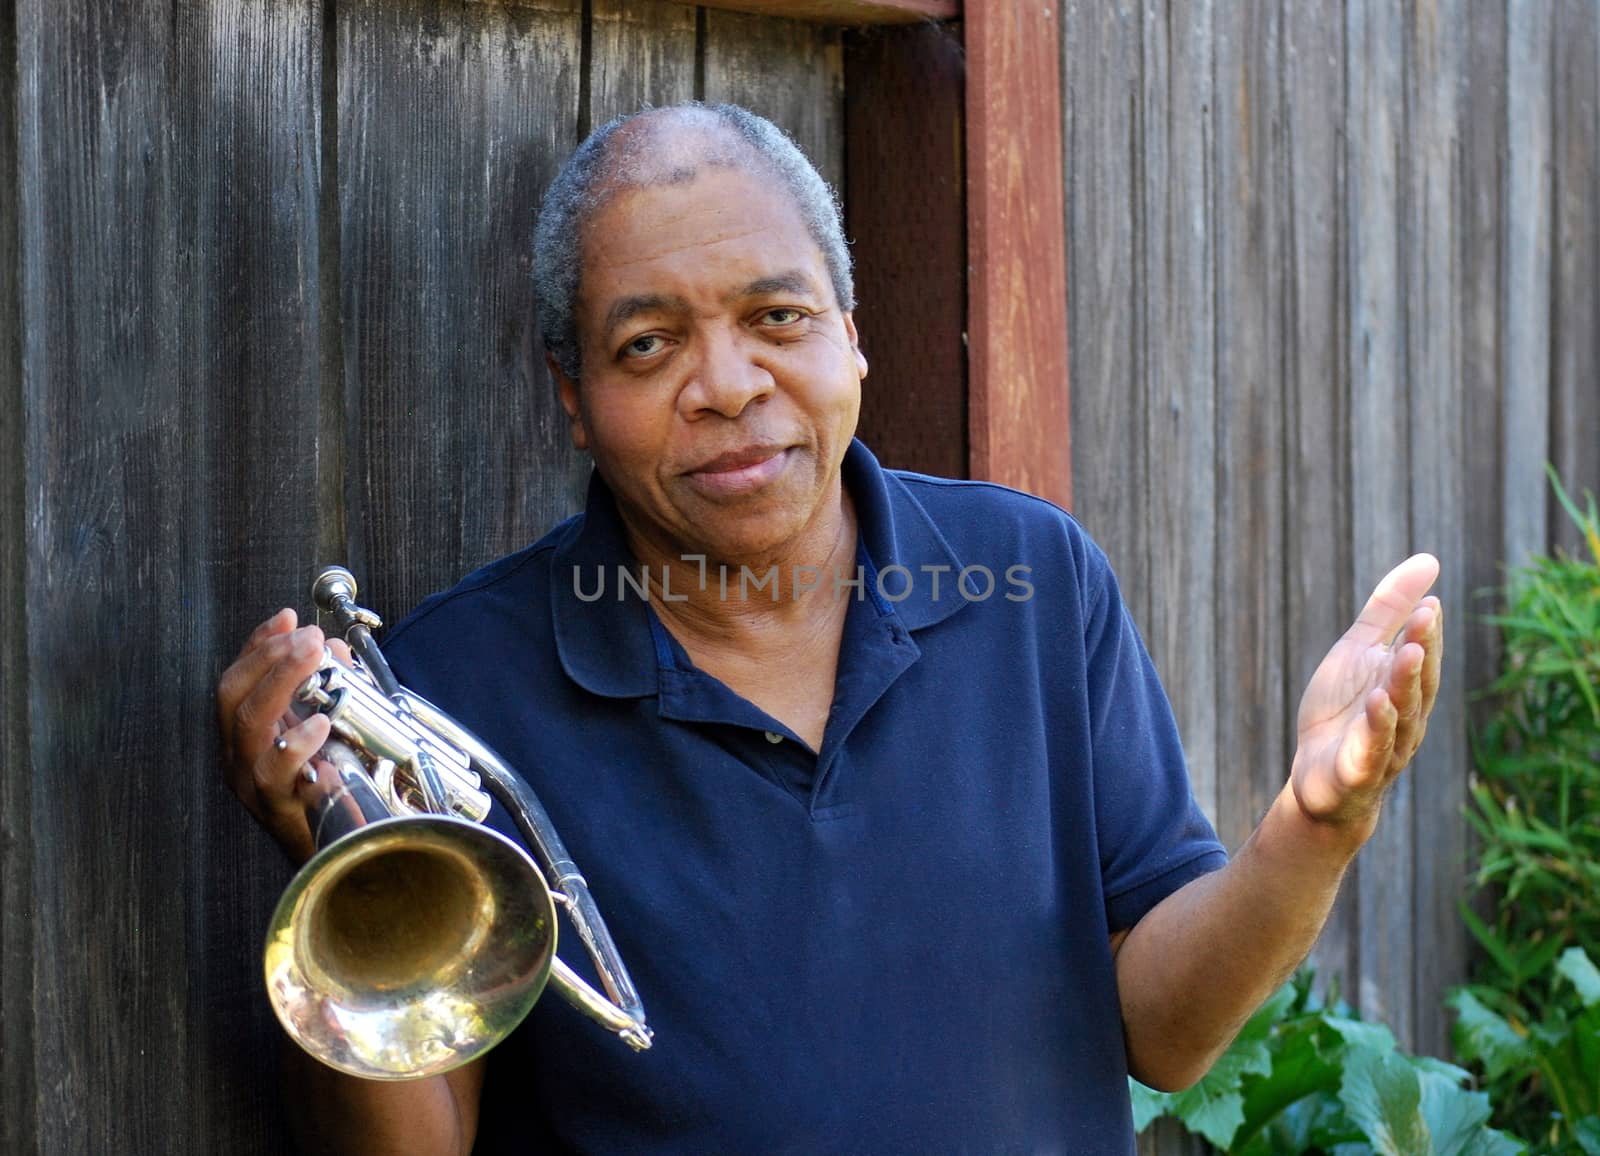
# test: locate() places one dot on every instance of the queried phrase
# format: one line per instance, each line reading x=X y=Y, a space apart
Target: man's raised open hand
x=1366 y=708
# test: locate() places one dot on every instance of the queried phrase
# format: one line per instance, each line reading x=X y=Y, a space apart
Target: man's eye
x=642 y=346
x=785 y=316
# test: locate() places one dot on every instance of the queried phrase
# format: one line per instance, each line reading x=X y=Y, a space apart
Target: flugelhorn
x=416 y=938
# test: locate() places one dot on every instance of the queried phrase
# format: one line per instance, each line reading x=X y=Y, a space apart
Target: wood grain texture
x=1177 y=330
x=249 y=354
x=790 y=72
x=1376 y=40
x=168 y=169
x=1436 y=59
x=1317 y=564
x=1481 y=188
x=452 y=119
x=1251 y=697
x=1100 y=80
x=848 y=11
x=18 y=1073
x=852 y=12
x=1176 y=323
x=641 y=52
x=1575 y=293
x=1528 y=232
x=1019 y=405
x=1175 y=267
x=906 y=219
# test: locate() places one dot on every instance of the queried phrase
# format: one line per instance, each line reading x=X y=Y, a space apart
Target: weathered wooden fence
x=264 y=292
x=1333 y=298
x=264 y=286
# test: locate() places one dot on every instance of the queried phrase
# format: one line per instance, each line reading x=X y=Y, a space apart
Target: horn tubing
x=534 y=822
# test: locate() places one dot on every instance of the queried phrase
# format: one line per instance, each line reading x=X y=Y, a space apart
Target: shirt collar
x=605 y=643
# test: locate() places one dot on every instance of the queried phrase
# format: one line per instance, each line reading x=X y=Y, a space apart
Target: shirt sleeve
x=1153 y=837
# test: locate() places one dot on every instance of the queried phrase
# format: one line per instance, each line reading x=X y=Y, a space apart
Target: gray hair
x=607 y=162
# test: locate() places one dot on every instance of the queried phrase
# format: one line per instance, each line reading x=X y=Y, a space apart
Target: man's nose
x=729 y=375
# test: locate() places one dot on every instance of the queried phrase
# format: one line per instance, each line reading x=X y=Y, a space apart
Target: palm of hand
x=1366 y=708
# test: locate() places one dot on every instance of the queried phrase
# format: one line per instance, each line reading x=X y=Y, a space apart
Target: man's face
x=721 y=381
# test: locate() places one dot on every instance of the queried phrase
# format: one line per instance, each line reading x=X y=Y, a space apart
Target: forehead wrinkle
x=788 y=281
x=624 y=309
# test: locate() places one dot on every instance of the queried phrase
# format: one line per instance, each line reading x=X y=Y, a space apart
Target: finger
x=269 y=675
x=282 y=622
x=1433 y=663
x=1393 y=600
x=270 y=643
x=276 y=773
x=1364 y=755
x=1405 y=692
x=275 y=780
x=341 y=649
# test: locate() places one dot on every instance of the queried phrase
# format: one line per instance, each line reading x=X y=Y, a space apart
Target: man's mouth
x=740 y=471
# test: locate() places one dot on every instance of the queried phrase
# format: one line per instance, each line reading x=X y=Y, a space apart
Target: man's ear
x=855 y=341
x=567 y=390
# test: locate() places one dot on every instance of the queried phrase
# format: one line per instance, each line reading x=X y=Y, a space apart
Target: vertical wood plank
x=167 y=313
x=906 y=217
x=1376 y=41
x=452 y=118
x=1317 y=530
x=1481 y=187
x=18 y=1082
x=249 y=122
x=1018 y=397
x=641 y=53
x=91 y=88
x=1250 y=689
x=1527 y=228
x=788 y=71
x=1100 y=83
x=1575 y=303
x=1175 y=270
x=1438 y=840
x=1177 y=331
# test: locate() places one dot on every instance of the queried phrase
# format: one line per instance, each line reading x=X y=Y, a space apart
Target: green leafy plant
x=1535 y=805
x=1536 y=794
x=1562 y=1052
x=1307 y=1077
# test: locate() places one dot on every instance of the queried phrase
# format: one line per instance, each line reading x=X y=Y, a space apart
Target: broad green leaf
x=1299 y=1069
x=1587 y=1133
x=1483 y=1036
x=1214 y=1107
x=1370 y=1037
x=1457 y=1121
x=1576 y=966
x=1314 y=1124
x=1382 y=1094
x=1438 y=1067
x=1216 y=1117
x=1586 y=1040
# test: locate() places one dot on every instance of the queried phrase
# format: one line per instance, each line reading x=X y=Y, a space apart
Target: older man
x=869 y=770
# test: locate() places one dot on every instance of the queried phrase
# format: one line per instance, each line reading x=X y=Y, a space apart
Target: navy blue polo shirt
x=896 y=943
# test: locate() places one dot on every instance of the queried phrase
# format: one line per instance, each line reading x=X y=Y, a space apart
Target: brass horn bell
x=416 y=938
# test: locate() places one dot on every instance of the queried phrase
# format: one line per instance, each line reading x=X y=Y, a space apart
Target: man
x=902 y=859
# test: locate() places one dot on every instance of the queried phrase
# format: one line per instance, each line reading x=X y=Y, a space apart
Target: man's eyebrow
x=627 y=308
x=789 y=281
